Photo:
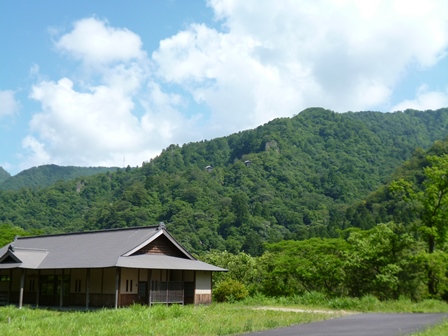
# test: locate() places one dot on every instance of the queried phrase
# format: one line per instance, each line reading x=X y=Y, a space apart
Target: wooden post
x=61 y=290
x=117 y=286
x=167 y=289
x=37 y=288
x=87 y=288
x=149 y=286
x=183 y=287
x=194 y=280
x=211 y=287
x=10 y=286
x=138 y=285
x=102 y=287
x=22 y=284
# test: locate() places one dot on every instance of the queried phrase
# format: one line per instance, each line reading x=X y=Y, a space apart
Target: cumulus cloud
x=262 y=60
x=424 y=100
x=109 y=117
x=38 y=153
x=8 y=104
x=97 y=127
x=95 y=41
x=274 y=59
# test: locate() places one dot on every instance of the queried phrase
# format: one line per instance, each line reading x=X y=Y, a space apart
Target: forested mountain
x=3 y=175
x=382 y=205
x=46 y=175
x=292 y=178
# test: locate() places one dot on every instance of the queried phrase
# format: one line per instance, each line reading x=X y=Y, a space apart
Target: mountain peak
x=4 y=175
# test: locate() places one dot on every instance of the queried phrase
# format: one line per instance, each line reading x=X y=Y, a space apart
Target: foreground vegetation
x=368 y=303
x=438 y=330
x=216 y=319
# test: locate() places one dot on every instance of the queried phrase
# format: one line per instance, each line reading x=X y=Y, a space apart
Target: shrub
x=230 y=290
x=343 y=303
x=312 y=298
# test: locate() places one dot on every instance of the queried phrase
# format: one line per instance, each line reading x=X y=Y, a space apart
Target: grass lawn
x=367 y=303
x=216 y=319
x=438 y=330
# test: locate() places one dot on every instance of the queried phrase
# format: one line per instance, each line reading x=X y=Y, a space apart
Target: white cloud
x=424 y=100
x=94 y=120
x=8 y=104
x=266 y=59
x=94 y=41
x=38 y=155
x=276 y=58
x=98 y=127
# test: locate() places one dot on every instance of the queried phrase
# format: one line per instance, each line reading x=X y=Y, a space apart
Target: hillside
x=292 y=178
x=380 y=206
x=46 y=175
x=4 y=175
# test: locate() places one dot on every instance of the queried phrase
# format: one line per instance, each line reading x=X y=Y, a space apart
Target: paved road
x=361 y=325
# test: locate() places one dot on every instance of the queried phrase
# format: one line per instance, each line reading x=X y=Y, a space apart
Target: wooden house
x=109 y=268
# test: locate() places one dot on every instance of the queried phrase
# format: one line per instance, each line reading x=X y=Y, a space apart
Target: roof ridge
x=88 y=232
x=29 y=249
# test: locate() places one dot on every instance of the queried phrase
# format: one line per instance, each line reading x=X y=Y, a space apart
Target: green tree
x=292 y=267
x=8 y=232
x=253 y=244
x=384 y=262
x=230 y=290
x=431 y=204
x=241 y=267
x=434 y=200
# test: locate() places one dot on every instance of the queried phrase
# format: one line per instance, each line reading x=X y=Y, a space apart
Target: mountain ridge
x=304 y=173
x=46 y=175
x=4 y=175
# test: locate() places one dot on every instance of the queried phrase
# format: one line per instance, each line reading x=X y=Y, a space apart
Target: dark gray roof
x=96 y=249
x=154 y=261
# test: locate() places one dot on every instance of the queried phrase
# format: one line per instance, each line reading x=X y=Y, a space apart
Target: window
x=5 y=278
x=128 y=286
x=142 y=289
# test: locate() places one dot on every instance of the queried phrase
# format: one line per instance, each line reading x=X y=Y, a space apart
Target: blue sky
x=112 y=83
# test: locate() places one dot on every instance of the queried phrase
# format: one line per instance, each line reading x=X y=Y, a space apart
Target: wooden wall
x=161 y=245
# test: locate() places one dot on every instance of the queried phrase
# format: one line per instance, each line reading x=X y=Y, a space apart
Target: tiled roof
x=154 y=261
x=95 y=249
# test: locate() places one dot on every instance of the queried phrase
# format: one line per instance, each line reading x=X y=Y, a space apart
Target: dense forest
x=382 y=206
x=404 y=258
x=364 y=192
x=44 y=176
x=292 y=178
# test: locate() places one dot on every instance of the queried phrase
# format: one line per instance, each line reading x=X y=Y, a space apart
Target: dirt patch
x=317 y=311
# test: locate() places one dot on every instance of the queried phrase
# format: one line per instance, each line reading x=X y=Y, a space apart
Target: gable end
x=9 y=258
x=163 y=246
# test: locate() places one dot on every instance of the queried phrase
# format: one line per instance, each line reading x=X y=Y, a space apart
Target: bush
x=344 y=303
x=312 y=298
x=229 y=291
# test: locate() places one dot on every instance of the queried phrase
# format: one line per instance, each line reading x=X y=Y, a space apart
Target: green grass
x=438 y=330
x=367 y=303
x=216 y=319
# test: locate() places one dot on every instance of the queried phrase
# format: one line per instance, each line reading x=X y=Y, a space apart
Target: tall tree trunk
x=432 y=282
x=431 y=244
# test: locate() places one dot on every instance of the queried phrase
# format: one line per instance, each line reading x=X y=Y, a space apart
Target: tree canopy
x=305 y=173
